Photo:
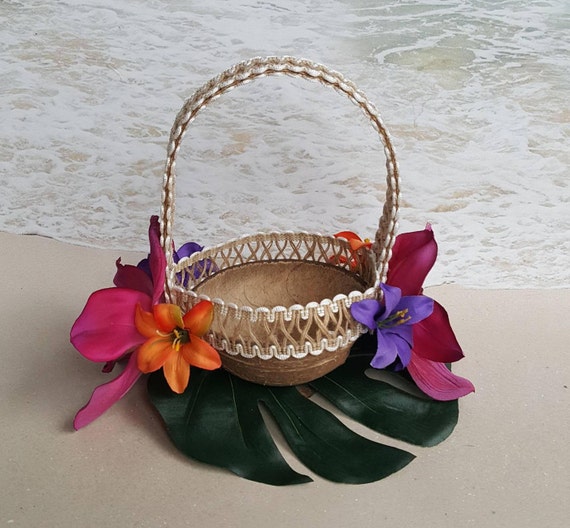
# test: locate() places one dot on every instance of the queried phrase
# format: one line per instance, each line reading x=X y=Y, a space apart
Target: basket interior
x=281 y=283
x=276 y=269
x=278 y=295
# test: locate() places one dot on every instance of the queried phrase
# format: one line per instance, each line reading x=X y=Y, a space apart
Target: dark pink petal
x=157 y=260
x=106 y=329
x=434 y=339
x=108 y=367
x=413 y=256
x=132 y=277
x=106 y=395
x=437 y=381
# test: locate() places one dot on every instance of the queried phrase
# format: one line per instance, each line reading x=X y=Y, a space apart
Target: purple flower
x=435 y=343
x=197 y=268
x=186 y=250
x=392 y=320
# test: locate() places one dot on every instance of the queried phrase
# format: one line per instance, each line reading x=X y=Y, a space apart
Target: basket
x=281 y=300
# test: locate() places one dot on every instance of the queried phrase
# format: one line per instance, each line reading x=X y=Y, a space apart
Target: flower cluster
x=412 y=330
x=131 y=321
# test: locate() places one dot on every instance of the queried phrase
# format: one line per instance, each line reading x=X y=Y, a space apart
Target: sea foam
x=474 y=93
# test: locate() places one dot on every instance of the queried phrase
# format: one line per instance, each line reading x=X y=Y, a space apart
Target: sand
x=506 y=464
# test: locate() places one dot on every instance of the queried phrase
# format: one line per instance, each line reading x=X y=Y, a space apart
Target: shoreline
x=506 y=463
x=134 y=255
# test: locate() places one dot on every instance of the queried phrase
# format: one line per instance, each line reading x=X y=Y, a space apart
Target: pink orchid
x=106 y=330
x=434 y=342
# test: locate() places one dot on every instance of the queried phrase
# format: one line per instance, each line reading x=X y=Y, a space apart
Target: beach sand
x=505 y=465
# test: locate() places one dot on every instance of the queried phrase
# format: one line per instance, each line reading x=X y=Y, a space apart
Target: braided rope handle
x=248 y=71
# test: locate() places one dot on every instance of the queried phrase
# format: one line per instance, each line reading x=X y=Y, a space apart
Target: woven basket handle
x=260 y=67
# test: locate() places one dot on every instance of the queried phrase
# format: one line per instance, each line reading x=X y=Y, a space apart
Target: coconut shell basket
x=283 y=319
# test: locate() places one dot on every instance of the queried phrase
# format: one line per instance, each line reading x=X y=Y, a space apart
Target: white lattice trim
x=238 y=349
x=279 y=331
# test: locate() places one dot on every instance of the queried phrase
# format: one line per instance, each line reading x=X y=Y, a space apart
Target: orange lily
x=355 y=243
x=175 y=342
x=354 y=240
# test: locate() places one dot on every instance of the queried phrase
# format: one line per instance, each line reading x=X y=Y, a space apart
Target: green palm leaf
x=212 y=422
x=383 y=407
x=218 y=421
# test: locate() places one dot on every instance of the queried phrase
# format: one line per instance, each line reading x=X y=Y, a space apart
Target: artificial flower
x=106 y=331
x=186 y=250
x=355 y=243
x=435 y=344
x=354 y=240
x=174 y=342
x=392 y=320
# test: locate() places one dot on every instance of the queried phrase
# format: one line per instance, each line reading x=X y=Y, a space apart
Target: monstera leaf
x=218 y=421
x=397 y=411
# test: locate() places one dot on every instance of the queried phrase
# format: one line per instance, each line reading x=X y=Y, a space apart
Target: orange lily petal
x=354 y=240
x=177 y=373
x=349 y=235
x=199 y=319
x=355 y=245
x=144 y=321
x=200 y=354
x=167 y=316
x=153 y=353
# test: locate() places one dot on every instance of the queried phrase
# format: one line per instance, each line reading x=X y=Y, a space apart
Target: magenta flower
x=106 y=330
x=434 y=343
x=393 y=321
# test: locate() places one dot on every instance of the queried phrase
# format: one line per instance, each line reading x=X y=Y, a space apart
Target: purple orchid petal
x=106 y=395
x=157 y=260
x=133 y=278
x=106 y=329
x=418 y=307
x=392 y=297
x=366 y=312
x=413 y=256
x=404 y=348
x=437 y=381
x=434 y=339
x=186 y=250
x=203 y=266
x=406 y=332
x=387 y=350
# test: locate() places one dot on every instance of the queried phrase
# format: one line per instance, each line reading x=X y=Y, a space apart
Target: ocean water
x=475 y=93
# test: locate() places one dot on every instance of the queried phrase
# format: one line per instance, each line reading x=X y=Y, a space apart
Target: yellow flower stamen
x=402 y=316
x=180 y=338
x=396 y=319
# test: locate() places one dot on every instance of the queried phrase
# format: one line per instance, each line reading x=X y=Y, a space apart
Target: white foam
x=475 y=94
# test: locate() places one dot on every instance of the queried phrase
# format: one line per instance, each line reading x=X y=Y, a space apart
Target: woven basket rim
x=269 y=313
